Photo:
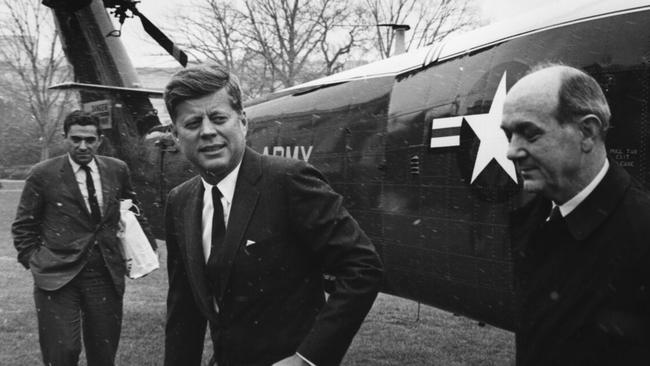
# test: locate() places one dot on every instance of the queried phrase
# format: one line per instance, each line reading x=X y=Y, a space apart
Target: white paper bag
x=140 y=257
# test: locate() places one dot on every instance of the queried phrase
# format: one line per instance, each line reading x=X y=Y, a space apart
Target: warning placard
x=101 y=109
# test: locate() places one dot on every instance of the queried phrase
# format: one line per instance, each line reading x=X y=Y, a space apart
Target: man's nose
x=208 y=128
x=515 y=150
x=83 y=145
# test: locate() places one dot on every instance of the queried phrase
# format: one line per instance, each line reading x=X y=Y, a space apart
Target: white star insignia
x=494 y=143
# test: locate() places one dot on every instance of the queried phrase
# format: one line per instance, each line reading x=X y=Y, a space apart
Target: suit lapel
x=193 y=244
x=243 y=205
x=70 y=181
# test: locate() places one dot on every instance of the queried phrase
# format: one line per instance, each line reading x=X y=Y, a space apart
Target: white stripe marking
x=445 y=141
x=447 y=122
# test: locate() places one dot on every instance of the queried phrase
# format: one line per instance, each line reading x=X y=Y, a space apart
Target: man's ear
x=590 y=127
x=244 y=120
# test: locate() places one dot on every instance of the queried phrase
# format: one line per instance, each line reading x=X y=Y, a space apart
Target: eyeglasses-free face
x=82 y=143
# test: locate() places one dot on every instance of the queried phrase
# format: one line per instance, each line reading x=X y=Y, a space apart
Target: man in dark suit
x=249 y=240
x=65 y=233
x=582 y=246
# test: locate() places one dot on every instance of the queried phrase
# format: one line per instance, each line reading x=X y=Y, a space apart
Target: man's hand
x=294 y=360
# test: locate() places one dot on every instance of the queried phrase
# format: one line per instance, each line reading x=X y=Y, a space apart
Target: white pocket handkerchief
x=249 y=242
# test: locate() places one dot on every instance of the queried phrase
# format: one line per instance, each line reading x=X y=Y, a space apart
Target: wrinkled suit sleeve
x=320 y=220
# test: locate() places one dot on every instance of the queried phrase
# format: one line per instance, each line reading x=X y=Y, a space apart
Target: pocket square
x=249 y=242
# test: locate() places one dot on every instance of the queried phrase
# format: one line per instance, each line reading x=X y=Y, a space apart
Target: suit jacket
x=53 y=230
x=270 y=298
x=583 y=283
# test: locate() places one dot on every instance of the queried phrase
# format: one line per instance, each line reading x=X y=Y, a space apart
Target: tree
x=18 y=141
x=214 y=32
x=33 y=57
x=430 y=21
x=333 y=53
x=273 y=43
x=289 y=34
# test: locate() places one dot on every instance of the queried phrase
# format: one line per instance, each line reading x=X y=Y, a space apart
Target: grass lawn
x=391 y=335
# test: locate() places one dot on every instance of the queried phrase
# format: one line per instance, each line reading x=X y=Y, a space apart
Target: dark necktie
x=218 y=226
x=218 y=229
x=218 y=233
x=92 y=196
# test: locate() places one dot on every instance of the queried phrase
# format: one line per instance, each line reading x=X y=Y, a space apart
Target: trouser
x=88 y=304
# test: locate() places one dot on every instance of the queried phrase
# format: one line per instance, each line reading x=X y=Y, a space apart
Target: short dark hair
x=199 y=81
x=79 y=117
x=579 y=95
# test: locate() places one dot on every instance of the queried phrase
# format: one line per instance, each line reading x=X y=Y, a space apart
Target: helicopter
x=412 y=142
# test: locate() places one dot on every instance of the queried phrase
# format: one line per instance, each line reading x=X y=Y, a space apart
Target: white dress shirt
x=227 y=188
x=80 y=176
x=571 y=204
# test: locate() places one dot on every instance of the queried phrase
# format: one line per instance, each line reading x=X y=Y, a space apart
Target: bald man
x=582 y=246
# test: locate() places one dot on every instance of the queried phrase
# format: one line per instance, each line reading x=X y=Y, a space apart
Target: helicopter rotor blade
x=163 y=40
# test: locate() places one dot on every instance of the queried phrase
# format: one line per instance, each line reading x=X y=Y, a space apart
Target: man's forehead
x=531 y=108
x=79 y=130
x=533 y=94
x=531 y=103
x=211 y=103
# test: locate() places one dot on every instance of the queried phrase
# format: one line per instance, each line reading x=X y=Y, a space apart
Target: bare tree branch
x=32 y=53
x=274 y=43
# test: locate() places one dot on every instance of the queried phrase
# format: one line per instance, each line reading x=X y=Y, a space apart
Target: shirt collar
x=571 y=204
x=226 y=185
x=76 y=167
